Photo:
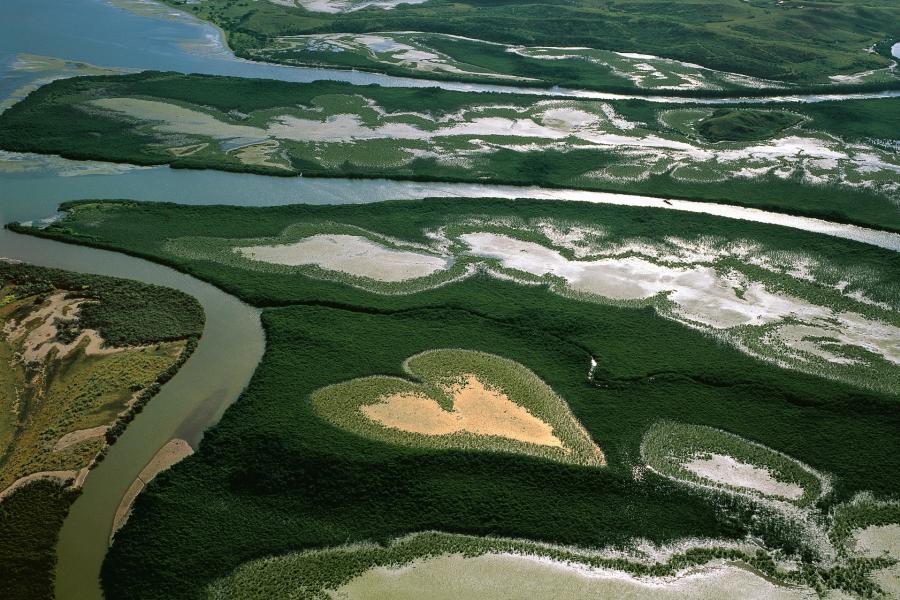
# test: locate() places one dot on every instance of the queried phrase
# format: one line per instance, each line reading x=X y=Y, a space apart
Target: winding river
x=153 y=37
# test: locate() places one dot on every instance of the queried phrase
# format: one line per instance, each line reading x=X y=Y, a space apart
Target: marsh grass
x=433 y=373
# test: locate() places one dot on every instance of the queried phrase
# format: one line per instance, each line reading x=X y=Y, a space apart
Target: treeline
x=125 y=312
x=30 y=520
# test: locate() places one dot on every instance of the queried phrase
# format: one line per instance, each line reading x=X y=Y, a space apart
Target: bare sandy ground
x=476 y=409
x=77 y=436
x=261 y=154
x=351 y=254
x=188 y=150
x=882 y=540
x=516 y=577
x=61 y=476
x=174 y=451
x=814 y=151
x=38 y=337
x=728 y=471
x=700 y=295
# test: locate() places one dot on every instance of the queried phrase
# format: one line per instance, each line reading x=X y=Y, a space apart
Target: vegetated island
x=835 y=161
x=82 y=355
x=702 y=47
x=700 y=445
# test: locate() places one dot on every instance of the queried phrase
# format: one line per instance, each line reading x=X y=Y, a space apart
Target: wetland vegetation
x=797 y=159
x=606 y=356
x=581 y=44
x=82 y=354
x=460 y=397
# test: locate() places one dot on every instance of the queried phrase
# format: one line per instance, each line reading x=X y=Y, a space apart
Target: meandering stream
x=97 y=32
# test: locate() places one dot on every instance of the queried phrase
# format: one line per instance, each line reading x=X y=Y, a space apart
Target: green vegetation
x=328 y=486
x=837 y=319
x=313 y=573
x=228 y=251
x=667 y=446
x=30 y=520
x=124 y=312
x=802 y=43
x=84 y=354
x=150 y=229
x=740 y=125
x=275 y=477
x=440 y=371
x=335 y=129
x=862 y=511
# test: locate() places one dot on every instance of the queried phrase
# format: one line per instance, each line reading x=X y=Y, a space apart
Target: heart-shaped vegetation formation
x=466 y=400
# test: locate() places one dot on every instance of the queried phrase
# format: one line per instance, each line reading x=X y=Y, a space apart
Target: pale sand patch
x=726 y=470
x=171 y=118
x=516 y=577
x=61 y=476
x=78 y=436
x=881 y=540
x=173 y=452
x=38 y=340
x=260 y=154
x=351 y=254
x=340 y=6
x=568 y=119
x=176 y=119
x=188 y=150
x=700 y=294
x=699 y=291
x=476 y=409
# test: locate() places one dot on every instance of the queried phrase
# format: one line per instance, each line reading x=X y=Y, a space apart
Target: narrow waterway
x=47 y=187
x=231 y=347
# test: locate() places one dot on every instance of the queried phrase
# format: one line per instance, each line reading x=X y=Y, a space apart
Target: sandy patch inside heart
x=476 y=409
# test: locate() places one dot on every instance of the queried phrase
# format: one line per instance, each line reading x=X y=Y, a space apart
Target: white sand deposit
x=516 y=577
x=173 y=452
x=882 y=540
x=78 y=436
x=37 y=331
x=171 y=118
x=351 y=254
x=340 y=6
x=700 y=295
x=546 y=125
x=725 y=470
x=476 y=409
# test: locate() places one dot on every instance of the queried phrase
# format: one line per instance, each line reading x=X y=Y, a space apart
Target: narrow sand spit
x=80 y=435
x=351 y=254
x=517 y=577
x=476 y=409
x=174 y=451
x=882 y=540
x=725 y=470
x=61 y=476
